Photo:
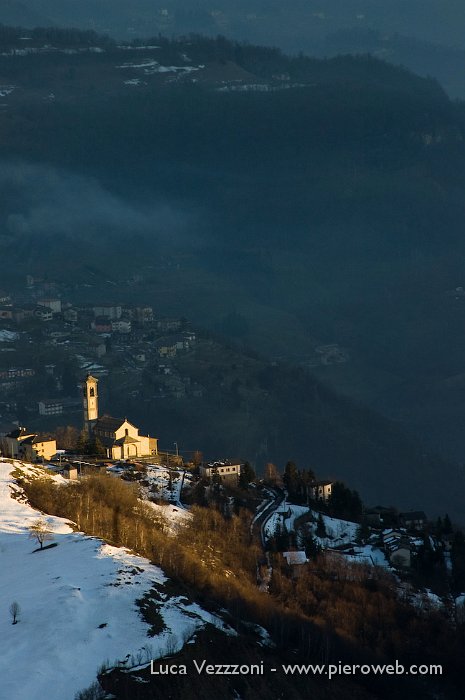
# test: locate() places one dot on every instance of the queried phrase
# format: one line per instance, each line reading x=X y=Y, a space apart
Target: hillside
x=78 y=603
x=333 y=612
x=85 y=607
x=308 y=209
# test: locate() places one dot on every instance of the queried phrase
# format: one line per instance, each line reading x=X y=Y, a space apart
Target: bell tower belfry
x=90 y=401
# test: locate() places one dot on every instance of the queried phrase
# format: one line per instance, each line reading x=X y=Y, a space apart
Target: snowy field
x=77 y=605
x=166 y=484
x=338 y=531
x=276 y=518
x=149 y=66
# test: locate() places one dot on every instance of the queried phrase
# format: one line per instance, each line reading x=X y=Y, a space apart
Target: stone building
x=119 y=437
x=28 y=446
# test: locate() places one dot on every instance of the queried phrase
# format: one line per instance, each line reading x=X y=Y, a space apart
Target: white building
x=111 y=311
x=225 y=471
x=320 y=490
x=121 y=325
x=50 y=407
x=53 y=304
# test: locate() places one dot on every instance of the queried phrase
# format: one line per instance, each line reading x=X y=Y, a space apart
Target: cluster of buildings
x=119 y=437
x=98 y=338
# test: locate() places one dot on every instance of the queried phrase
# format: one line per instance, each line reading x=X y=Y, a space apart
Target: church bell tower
x=90 y=401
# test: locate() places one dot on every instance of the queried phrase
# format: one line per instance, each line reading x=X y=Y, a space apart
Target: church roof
x=106 y=441
x=20 y=433
x=110 y=424
x=126 y=440
x=34 y=439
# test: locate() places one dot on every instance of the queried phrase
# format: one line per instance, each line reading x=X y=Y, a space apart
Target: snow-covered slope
x=77 y=603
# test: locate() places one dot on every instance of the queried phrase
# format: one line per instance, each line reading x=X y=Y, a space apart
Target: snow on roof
x=295 y=558
x=8 y=336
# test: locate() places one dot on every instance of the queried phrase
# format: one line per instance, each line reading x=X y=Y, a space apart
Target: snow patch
x=7 y=336
x=77 y=603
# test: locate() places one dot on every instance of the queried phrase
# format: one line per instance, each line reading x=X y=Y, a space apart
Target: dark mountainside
x=424 y=35
x=287 y=204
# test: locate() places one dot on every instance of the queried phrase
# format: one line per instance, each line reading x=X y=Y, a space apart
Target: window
x=92 y=391
x=126 y=432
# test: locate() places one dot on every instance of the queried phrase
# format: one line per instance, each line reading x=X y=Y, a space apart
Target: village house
x=320 y=490
x=28 y=446
x=50 y=407
x=70 y=315
x=24 y=312
x=181 y=341
x=16 y=372
x=225 y=471
x=165 y=347
x=167 y=325
x=295 y=562
x=380 y=516
x=398 y=548
x=110 y=311
x=43 y=313
x=174 y=386
x=413 y=520
x=121 y=325
x=101 y=324
x=142 y=315
x=53 y=304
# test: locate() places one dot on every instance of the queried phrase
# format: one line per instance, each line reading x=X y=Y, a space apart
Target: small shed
x=70 y=472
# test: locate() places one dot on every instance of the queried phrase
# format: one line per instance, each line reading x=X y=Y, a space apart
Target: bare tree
x=272 y=475
x=40 y=531
x=14 y=612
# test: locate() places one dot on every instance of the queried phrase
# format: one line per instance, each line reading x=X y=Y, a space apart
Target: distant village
x=98 y=338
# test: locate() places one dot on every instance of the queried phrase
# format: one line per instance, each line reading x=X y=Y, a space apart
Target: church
x=119 y=437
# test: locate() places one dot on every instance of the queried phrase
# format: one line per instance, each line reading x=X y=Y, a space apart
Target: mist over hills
x=289 y=24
